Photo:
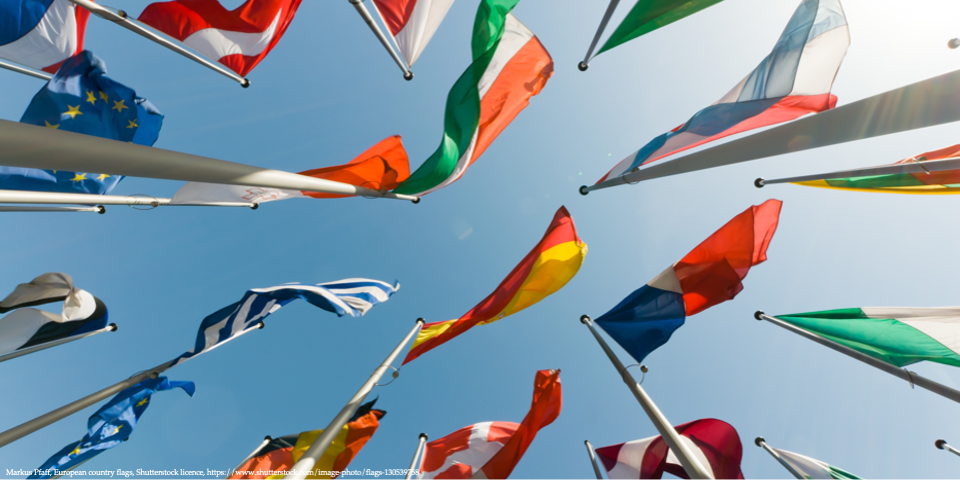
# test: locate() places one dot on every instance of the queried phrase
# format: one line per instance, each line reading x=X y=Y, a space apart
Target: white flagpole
x=416 y=456
x=302 y=468
x=943 y=445
x=97 y=209
x=923 y=166
x=264 y=443
x=593 y=459
x=362 y=10
x=16 y=433
x=793 y=471
x=686 y=456
x=30 y=146
x=43 y=346
x=903 y=373
x=927 y=103
x=23 y=196
x=120 y=18
x=26 y=71
x=596 y=38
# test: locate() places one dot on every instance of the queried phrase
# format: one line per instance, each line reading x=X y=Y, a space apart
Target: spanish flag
x=546 y=269
x=280 y=454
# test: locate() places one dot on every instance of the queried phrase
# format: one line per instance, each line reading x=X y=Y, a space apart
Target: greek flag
x=352 y=296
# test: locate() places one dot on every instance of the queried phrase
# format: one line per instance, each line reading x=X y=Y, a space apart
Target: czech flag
x=41 y=34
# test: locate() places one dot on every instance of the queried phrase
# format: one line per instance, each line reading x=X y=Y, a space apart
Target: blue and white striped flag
x=351 y=296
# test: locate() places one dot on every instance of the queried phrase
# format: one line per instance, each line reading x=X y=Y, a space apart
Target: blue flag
x=110 y=426
x=80 y=98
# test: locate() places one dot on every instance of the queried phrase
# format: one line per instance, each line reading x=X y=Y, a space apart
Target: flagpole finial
x=416 y=201
x=101 y=209
x=245 y=83
x=408 y=76
x=940 y=443
x=113 y=327
x=268 y=438
x=584 y=190
x=254 y=206
x=584 y=319
x=421 y=321
x=423 y=436
x=953 y=43
x=758 y=441
x=262 y=324
x=758 y=183
x=757 y=314
x=583 y=66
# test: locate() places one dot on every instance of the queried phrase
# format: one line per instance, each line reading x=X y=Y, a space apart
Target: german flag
x=546 y=269
x=282 y=453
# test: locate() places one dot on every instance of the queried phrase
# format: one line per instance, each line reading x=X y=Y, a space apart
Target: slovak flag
x=412 y=23
x=41 y=34
x=238 y=38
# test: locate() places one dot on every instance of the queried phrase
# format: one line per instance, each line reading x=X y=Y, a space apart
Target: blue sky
x=329 y=91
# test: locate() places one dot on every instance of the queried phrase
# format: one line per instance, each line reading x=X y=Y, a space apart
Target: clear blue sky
x=329 y=91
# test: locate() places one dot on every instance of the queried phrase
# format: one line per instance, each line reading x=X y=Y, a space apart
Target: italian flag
x=509 y=66
x=813 y=468
x=899 y=336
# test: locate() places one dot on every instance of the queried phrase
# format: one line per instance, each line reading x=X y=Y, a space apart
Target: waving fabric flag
x=81 y=98
x=546 y=269
x=238 y=38
x=381 y=167
x=27 y=327
x=509 y=66
x=710 y=274
x=280 y=454
x=110 y=426
x=794 y=80
x=898 y=336
x=352 y=296
x=649 y=15
x=813 y=468
x=493 y=449
x=412 y=23
x=41 y=33
x=715 y=443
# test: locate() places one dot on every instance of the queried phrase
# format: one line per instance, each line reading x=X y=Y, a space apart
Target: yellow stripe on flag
x=911 y=190
x=325 y=463
x=430 y=331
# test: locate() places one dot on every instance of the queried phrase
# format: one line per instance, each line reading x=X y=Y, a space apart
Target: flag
x=280 y=454
x=710 y=274
x=81 y=98
x=110 y=426
x=41 y=33
x=238 y=38
x=924 y=183
x=649 y=15
x=412 y=23
x=351 y=296
x=546 y=269
x=382 y=167
x=813 y=468
x=28 y=327
x=714 y=443
x=493 y=449
x=898 y=336
x=794 y=80
x=509 y=66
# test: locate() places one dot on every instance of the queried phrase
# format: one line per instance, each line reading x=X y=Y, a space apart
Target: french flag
x=41 y=34
x=238 y=38
x=794 y=80
x=412 y=23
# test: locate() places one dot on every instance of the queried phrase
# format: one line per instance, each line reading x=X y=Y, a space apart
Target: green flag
x=649 y=15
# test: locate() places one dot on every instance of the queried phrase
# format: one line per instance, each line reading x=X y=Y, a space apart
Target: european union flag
x=110 y=426
x=81 y=98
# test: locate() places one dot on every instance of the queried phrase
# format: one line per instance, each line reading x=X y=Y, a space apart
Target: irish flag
x=509 y=66
x=897 y=335
x=813 y=468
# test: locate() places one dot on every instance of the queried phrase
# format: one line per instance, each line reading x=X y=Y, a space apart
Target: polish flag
x=41 y=34
x=412 y=23
x=238 y=38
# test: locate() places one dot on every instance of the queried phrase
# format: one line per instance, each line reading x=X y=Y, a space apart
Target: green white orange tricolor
x=509 y=66
x=813 y=468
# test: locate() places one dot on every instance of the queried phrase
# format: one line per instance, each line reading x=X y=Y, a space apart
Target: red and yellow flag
x=546 y=269
x=382 y=167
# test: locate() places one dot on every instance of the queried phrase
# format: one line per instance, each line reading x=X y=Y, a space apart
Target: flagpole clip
x=909 y=377
x=396 y=373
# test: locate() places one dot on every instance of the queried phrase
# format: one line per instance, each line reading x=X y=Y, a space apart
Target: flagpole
x=24 y=196
x=393 y=40
x=362 y=10
x=686 y=457
x=264 y=443
x=416 y=456
x=43 y=346
x=793 y=471
x=120 y=18
x=97 y=209
x=593 y=459
x=903 y=373
x=926 y=166
x=943 y=445
x=24 y=429
x=596 y=38
x=302 y=468
x=26 y=71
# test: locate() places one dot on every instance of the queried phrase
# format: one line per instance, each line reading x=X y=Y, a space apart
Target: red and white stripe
x=57 y=37
x=412 y=23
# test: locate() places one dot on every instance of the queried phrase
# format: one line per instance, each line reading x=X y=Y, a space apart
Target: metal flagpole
x=23 y=196
x=686 y=456
x=264 y=443
x=43 y=346
x=593 y=459
x=393 y=40
x=943 y=445
x=362 y=10
x=903 y=373
x=416 y=456
x=926 y=166
x=793 y=471
x=302 y=468
x=25 y=71
x=596 y=38
x=120 y=18
x=97 y=209
x=24 y=429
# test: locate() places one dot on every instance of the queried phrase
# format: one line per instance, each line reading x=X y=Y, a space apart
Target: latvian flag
x=41 y=34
